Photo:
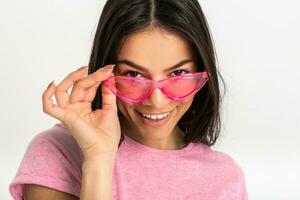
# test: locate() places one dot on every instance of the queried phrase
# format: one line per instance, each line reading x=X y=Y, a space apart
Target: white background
x=257 y=44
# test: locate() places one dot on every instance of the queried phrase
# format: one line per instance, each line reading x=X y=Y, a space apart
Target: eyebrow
x=132 y=64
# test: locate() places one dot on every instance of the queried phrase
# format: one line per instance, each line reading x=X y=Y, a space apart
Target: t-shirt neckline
x=138 y=146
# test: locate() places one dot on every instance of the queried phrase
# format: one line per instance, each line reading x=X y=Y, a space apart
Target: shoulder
x=56 y=143
x=224 y=170
x=56 y=138
x=52 y=159
x=230 y=171
x=219 y=162
x=211 y=154
x=233 y=174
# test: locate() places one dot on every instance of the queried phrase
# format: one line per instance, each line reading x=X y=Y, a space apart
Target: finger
x=81 y=90
x=108 y=99
x=61 y=94
x=91 y=93
x=48 y=106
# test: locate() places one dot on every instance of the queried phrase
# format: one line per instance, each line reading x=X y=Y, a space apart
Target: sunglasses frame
x=157 y=84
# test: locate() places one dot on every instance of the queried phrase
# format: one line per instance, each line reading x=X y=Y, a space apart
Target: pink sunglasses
x=136 y=90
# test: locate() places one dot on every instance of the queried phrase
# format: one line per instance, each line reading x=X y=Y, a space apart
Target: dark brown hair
x=121 y=18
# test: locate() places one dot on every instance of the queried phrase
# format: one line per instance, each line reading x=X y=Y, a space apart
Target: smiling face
x=151 y=54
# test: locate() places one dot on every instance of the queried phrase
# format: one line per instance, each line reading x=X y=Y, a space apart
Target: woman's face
x=155 y=51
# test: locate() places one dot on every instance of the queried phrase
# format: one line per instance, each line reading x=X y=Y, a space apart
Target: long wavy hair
x=121 y=18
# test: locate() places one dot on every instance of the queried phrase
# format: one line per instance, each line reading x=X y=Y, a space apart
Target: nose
x=157 y=99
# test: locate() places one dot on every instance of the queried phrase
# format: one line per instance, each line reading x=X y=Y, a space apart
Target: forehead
x=155 y=49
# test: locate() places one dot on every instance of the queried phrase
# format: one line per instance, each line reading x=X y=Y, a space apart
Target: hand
x=97 y=132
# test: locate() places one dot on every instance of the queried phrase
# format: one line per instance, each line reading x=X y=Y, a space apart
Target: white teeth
x=156 y=117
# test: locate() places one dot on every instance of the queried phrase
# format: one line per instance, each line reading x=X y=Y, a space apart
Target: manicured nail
x=109 y=67
x=50 y=84
x=81 y=68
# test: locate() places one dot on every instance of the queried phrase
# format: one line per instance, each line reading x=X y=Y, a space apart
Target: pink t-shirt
x=196 y=172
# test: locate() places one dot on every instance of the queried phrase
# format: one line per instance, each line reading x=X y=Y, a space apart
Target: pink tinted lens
x=131 y=88
x=180 y=87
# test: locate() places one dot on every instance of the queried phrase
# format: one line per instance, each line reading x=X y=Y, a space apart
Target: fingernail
x=50 y=84
x=81 y=68
x=109 y=67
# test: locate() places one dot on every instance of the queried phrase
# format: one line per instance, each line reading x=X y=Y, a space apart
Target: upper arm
x=38 y=192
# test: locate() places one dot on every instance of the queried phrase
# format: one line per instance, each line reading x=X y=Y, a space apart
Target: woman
x=141 y=123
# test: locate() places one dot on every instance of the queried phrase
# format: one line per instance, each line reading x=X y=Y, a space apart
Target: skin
x=155 y=50
x=36 y=192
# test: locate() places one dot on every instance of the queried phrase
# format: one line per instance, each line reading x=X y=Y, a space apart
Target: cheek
x=186 y=105
x=124 y=108
x=119 y=104
x=121 y=108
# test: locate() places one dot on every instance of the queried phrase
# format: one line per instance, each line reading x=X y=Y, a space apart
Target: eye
x=135 y=74
x=130 y=73
x=181 y=72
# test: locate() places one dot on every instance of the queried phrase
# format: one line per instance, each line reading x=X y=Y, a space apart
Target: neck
x=174 y=141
